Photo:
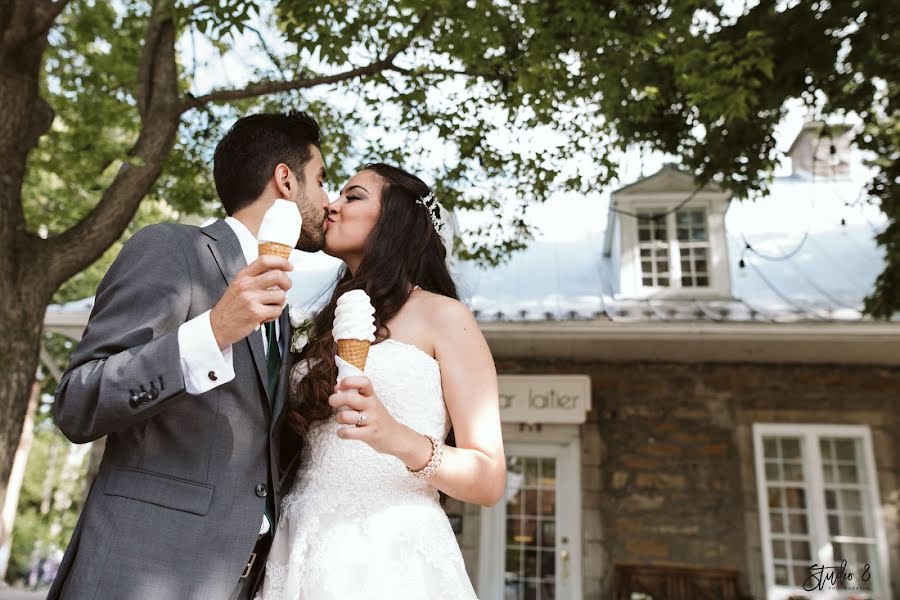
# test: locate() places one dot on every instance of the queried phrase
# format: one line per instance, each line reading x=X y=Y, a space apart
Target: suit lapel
x=282 y=388
x=226 y=250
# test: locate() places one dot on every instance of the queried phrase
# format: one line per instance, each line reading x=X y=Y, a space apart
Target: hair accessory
x=434 y=210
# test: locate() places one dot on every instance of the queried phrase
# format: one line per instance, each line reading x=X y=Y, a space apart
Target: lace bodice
x=351 y=503
x=408 y=382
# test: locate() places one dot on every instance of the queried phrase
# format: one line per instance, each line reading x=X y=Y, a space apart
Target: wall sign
x=544 y=398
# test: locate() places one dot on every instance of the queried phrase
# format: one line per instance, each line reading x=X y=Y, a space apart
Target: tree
x=495 y=100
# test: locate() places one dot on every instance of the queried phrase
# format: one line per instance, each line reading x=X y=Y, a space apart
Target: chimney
x=822 y=151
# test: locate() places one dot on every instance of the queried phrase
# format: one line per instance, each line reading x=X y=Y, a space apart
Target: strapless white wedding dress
x=356 y=525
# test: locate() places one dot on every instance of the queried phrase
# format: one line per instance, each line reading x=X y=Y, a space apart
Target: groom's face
x=311 y=198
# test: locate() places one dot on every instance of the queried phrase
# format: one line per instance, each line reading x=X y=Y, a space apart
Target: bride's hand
x=377 y=428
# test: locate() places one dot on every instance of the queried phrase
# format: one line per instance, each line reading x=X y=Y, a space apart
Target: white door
x=530 y=542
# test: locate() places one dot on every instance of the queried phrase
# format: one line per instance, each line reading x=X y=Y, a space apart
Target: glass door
x=530 y=548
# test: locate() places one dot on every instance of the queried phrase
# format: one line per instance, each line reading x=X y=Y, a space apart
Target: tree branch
x=45 y=15
x=268 y=51
x=253 y=91
x=496 y=76
x=147 y=65
x=83 y=243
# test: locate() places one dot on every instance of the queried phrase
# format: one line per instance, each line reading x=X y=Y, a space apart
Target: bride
x=363 y=519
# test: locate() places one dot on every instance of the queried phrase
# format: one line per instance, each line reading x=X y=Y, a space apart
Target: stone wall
x=668 y=475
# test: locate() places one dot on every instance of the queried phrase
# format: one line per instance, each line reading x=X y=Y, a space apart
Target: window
x=818 y=501
x=693 y=245
x=680 y=239
x=788 y=511
x=653 y=241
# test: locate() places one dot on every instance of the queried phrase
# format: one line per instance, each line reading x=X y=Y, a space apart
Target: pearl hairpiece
x=434 y=211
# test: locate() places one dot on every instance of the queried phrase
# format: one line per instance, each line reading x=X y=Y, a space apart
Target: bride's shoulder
x=443 y=312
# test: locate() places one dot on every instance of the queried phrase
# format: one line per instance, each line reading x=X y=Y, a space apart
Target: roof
x=671 y=179
x=823 y=272
x=813 y=259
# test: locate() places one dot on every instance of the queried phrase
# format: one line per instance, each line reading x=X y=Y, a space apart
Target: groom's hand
x=256 y=295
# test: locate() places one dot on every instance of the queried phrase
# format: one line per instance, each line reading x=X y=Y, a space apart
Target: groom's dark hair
x=246 y=157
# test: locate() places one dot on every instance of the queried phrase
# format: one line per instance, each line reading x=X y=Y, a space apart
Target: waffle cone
x=276 y=249
x=354 y=352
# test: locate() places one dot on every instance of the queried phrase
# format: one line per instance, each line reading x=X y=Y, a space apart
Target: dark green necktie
x=273 y=363
x=273 y=358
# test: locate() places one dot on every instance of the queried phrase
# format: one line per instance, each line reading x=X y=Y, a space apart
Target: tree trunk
x=31 y=268
x=24 y=289
x=21 y=321
x=10 y=504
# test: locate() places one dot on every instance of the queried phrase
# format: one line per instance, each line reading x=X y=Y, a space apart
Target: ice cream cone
x=354 y=352
x=275 y=249
x=280 y=229
x=354 y=327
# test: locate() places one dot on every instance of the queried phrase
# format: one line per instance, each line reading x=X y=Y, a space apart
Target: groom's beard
x=312 y=233
x=310 y=241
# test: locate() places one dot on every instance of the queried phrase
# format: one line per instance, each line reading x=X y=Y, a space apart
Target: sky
x=552 y=220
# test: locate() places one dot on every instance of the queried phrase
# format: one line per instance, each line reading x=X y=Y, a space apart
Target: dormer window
x=674 y=249
x=693 y=247
x=653 y=241
x=665 y=246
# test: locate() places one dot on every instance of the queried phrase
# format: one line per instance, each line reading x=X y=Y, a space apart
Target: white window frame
x=685 y=250
x=654 y=246
x=813 y=480
x=717 y=251
x=674 y=250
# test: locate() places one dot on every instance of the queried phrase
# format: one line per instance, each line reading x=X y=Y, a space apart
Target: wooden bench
x=638 y=581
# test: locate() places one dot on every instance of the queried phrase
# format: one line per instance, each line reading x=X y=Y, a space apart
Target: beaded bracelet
x=437 y=452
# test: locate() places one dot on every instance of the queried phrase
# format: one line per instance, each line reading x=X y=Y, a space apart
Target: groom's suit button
x=134 y=401
x=261 y=490
x=213 y=376
x=145 y=397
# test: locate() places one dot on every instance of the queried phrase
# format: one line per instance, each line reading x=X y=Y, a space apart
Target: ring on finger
x=360 y=420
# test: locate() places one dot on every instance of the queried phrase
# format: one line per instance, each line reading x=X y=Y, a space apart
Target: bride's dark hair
x=403 y=249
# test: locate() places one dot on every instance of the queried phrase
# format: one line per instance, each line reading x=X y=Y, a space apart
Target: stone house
x=693 y=405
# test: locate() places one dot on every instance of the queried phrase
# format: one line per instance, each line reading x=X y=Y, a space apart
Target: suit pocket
x=162 y=490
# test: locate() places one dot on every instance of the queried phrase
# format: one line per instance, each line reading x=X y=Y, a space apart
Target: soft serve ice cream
x=280 y=229
x=354 y=327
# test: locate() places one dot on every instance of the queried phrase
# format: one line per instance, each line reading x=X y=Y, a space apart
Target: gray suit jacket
x=176 y=507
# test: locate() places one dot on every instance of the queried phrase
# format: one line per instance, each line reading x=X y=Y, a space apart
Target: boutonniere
x=301 y=326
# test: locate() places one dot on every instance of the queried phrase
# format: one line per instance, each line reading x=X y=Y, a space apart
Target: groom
x=175 y=369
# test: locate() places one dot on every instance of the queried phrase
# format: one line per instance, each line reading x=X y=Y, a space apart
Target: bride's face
x=352 y=217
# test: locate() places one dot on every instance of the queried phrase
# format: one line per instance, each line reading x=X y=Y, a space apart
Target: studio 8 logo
x=837 y=577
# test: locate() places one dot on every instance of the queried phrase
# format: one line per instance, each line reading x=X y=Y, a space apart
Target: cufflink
x=213 y=376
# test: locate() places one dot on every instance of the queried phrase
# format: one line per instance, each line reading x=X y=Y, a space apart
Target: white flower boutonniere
x=302 y=326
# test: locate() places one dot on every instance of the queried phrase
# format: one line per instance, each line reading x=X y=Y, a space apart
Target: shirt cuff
x=203 y=364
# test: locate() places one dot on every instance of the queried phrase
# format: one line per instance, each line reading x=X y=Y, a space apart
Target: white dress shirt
x=200 y=354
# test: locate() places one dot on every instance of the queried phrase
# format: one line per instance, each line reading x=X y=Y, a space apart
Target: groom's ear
x=285 y=181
